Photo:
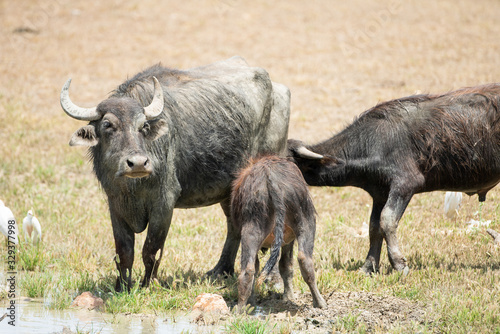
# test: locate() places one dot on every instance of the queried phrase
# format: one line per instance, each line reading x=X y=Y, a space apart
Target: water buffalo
x=407 y=146
x=170 y=139
x=271 y=207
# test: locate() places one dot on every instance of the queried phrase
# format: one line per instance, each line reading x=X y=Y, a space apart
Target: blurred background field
x=338 y=58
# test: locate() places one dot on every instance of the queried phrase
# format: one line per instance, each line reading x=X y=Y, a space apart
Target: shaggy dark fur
x=407 y=146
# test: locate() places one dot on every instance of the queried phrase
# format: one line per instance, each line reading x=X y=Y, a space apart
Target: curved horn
x=156 y=107
x=72 y=110
x=303 y=152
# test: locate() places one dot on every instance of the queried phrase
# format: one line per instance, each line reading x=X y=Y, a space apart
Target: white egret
x=31 y=227
x=452 y=202
x=6 y=215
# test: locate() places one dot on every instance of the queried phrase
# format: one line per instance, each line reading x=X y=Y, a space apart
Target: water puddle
x=32 y=316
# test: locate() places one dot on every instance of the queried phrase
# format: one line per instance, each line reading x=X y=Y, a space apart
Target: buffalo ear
x=158 y=128
x=85 y=136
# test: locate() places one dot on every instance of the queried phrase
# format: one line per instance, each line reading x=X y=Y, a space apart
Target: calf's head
x=119 y=131
x=317 y=169
x=297 y=149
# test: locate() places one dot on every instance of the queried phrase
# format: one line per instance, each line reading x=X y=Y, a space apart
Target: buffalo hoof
x=369 y=268
x=122 y=286
x=403 y=269
x=406 y=271
x=320 y=303
x=220 y=272
x=401 y=266
x=119 y=287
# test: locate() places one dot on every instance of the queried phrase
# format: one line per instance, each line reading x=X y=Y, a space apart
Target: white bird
x=452 y=202
x=32 y=229
x=5 y=216
x=363 y=231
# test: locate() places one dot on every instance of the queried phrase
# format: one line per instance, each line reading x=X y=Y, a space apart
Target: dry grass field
x=339 y=59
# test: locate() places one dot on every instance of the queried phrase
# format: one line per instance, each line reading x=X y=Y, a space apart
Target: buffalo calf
x=270 y=207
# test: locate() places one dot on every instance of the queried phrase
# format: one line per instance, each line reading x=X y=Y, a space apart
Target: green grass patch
x=349 y=324
x=32 y=257
x=249 y=325
x=35 y=284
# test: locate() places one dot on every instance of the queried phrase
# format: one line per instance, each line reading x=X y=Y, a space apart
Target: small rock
x=495 y=235
x=316 y=322
x=209 y=302
x=209 y=308
x=88 y=300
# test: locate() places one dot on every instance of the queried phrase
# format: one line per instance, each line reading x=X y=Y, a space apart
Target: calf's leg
x=305 y=243
x=251 y=238
x=286 y=271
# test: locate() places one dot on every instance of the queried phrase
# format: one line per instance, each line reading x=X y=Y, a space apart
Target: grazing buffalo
x=170 y=139
x=270 y=207
x=407 y=146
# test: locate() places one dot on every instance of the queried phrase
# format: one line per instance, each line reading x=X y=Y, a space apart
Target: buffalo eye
x=106 y=125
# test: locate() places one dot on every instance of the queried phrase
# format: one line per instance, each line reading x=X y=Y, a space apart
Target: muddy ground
x=346 y=311
x=376 y=312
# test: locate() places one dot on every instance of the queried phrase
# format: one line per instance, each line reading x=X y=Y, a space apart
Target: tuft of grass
x=58 y=298
x=32 y=257
x=349 y=324
x=128 y=301
x=35 y=284
x=249 y=325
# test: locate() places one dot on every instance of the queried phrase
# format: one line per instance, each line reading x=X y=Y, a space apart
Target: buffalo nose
x=135 y=166
x=138 y=162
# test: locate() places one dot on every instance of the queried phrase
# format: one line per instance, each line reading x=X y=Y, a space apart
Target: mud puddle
x=32 y=316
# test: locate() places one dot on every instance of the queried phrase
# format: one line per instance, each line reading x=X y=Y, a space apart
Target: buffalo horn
x=303 y=152
x=82 y=114
x=156 y=107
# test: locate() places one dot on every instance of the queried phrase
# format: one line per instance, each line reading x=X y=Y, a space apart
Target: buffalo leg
x=155 y=241
x=231 y=245
x=286 y=271
x=124 y=259
x=376 y=239
x=251 y=238
x=389 y=219
x=305 y=243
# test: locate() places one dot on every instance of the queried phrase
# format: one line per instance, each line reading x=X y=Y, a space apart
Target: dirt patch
x=346 y=310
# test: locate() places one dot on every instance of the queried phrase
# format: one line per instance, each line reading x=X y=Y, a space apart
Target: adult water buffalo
x=178 y=144
x=408 y=146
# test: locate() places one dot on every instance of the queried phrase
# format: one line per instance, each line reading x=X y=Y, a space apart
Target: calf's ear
x=85 y=136
x=158 y=128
